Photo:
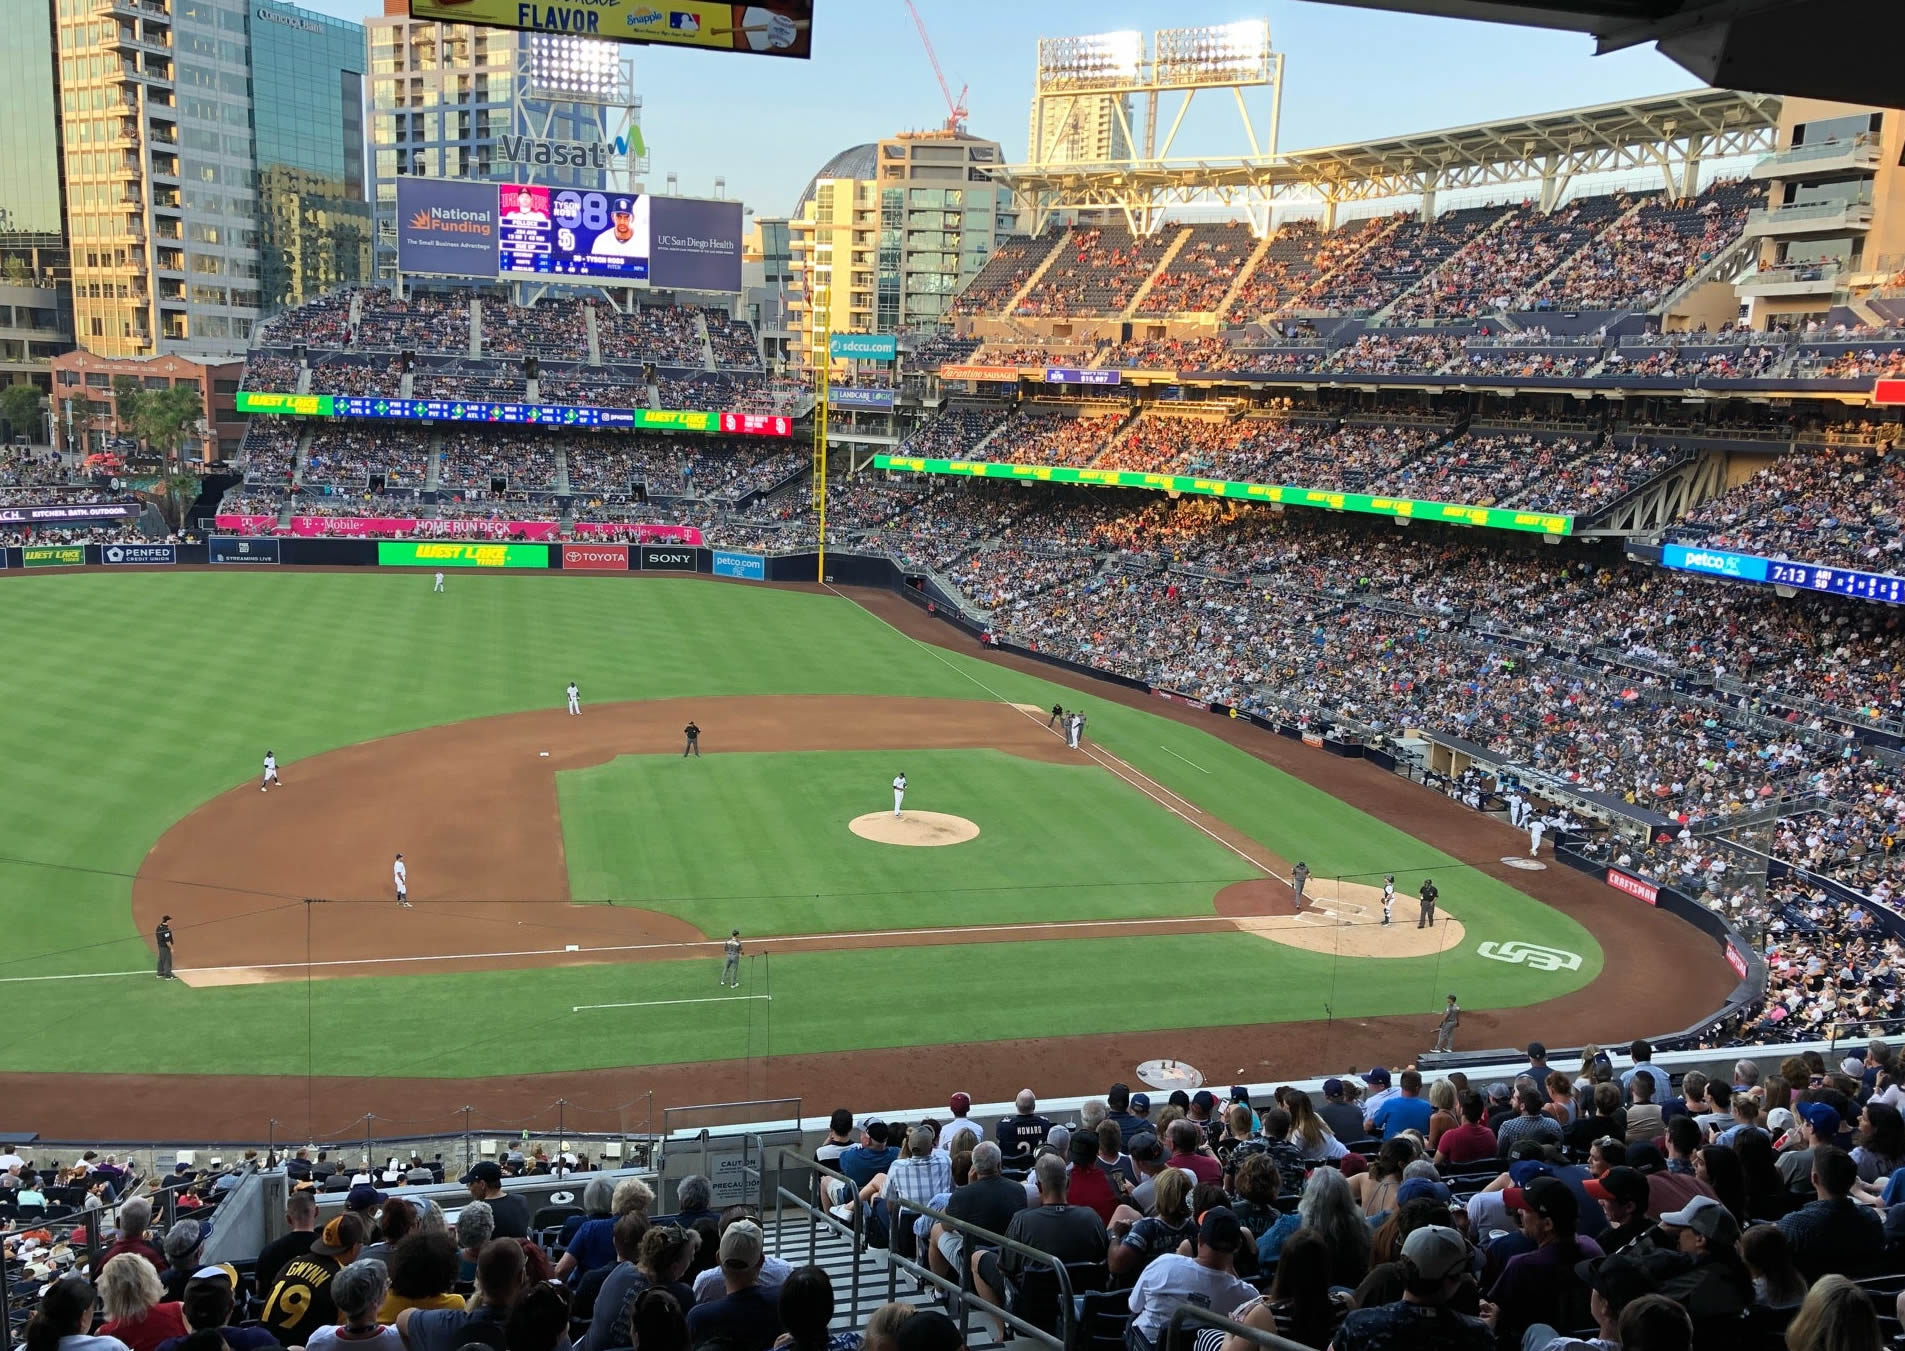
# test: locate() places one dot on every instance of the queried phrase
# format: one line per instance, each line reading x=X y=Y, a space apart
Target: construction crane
x=955 y=107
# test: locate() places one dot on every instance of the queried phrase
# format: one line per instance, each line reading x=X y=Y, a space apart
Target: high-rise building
x=1081 y=129
x=885 y=235
x=443 y=96
x=29 y=130
x=308 y=121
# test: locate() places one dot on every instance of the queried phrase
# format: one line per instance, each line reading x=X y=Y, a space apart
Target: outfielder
x=439 y=585
x=1536 y=827
x=1445 y=1030
x=271 y=773
x=731 y=969
x=1388 y=896
x=575 y=700
x=899 y=792
x=1299 y=875
x=401 y=876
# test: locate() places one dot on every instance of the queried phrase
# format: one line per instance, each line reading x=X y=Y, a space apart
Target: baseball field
x=572 y=877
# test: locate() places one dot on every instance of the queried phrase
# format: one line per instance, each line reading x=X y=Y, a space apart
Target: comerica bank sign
x=567 y=154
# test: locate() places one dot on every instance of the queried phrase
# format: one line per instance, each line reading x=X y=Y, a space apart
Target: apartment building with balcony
x=1833 y=229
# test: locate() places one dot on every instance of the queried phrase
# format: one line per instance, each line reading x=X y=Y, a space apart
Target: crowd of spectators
x=1197 y=279
x=1818 y=504
x=1008 y=269
x=732 y=340
x=1385 y=352
x=477 y=459
x=1054 y=436
x=270 y=372
x=1097 y=271
x=549 y=327
x=1636 y=262
x=269 y=452
x=663 y=334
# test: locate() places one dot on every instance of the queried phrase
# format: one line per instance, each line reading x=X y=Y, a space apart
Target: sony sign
x=560 y=154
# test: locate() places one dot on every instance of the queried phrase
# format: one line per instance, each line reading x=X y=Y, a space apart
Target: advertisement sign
x=1007 y=373
x=666 y=558
x=643 y=534
x=404 y=553
x=222 y=549
x=1636 y=887
x=1735 y=960
x=357 y=527
x=139 y=555
x=1889 y=391
x=862 y=346
x=1796 y=573
x=53 y=556
x=1066 y=375
x=446 y=227
x=777 y=28
x=573 y=232
x=696 y=243
x=595 y=558
x=53 y=513
x=748 y=567
x=1494 y=518
x=535 y=414
x=850 y=397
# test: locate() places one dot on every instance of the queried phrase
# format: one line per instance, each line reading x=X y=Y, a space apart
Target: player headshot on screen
x=525 y=213
x=628 y=237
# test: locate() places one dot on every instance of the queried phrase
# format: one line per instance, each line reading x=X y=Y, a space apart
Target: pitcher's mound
x=913 y=828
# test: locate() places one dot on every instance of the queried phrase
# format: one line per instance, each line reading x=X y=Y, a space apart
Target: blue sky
x=1350 y=74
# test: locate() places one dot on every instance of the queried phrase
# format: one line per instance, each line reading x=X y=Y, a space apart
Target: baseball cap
x=223 y=1271
x=1220 y=1230
x=1422 y=1186
x=1536 y=1050
x=741 y=1245
x=1621 y=1185
x=1618 y=1280
x=1239 y=1093
x=1548 y=1197
x=1822 y=1119
x=340 y=1235
x=1204 y=1098
x=929 y=1330
x=1332 y=1088
x=1379 y=1075
x=1140 y=1102
x=1707 y=1218
x=1779 y=1119
x=1498 y=1091
x=868 y=1122
x=363 y=1196
x=622 y=204
x=1435 y=1251
x=1646 y=1158
x=1145 y=1147
x=960 y=1103
x=485 y=1171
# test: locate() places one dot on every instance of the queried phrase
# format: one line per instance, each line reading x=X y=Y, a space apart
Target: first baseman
x=731 y=969
x=575 y=699
x=271 y=773
x=401 y=876
x=899 y=792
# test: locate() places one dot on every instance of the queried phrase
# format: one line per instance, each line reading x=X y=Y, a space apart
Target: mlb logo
x=683 y=21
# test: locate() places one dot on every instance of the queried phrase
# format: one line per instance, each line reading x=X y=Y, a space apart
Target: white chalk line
x=685 y=947
x=1175 y=756
x=658 y=1003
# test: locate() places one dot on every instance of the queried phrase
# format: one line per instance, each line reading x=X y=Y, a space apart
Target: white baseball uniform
x=1388 y=899
x=1071 y=731
x=401 y=876
x=439 y=585
x=271 y=773
x=1535 y=829
x=899 y=792
x=575 y=699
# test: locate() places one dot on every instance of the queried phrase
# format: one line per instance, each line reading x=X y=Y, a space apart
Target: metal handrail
x=1186 y=1314
x=86 y=1220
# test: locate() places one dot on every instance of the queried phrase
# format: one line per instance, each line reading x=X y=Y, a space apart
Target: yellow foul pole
x=823 y=365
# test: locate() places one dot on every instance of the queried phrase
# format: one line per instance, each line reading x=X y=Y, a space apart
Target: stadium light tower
x=1082 y=92
x=554 y=70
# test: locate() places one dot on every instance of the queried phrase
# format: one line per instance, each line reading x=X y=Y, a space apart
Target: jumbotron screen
x=573 y=232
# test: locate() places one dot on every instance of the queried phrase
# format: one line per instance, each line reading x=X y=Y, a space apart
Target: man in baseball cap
x=1339 y=1110
x=1613 y=1283
x=1706 y=1274
x=1118 y=1112
x=1379 y=1091
x=1815 y=1123
x=959 y=1105
x=1541 y=1286
x=1623 y=1196
x=745 y=1315
x=1435 y=1263
x=1208 y=1280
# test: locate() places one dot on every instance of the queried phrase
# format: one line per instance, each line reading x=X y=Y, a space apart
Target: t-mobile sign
x=694 y=244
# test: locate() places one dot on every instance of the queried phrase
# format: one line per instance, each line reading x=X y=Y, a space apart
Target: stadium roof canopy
x=1669 y=133
x=1829 y=49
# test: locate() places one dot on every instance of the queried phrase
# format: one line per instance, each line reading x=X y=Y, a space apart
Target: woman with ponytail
x=64 y=1320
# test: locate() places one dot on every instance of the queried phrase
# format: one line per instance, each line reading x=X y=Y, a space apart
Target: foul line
x=1175 y=756
x=849 y=935
x=657 y=1003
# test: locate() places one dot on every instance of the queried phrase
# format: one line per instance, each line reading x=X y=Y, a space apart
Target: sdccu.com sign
x=667 y=558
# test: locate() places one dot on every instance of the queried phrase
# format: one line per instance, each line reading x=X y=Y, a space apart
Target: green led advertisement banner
x=403 y=553
x=1494 y=518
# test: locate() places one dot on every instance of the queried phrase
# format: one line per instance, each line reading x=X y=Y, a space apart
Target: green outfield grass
x=133 y=698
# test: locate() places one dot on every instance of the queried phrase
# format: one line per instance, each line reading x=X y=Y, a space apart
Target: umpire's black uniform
x=693 y=744
x=1428 y=894
x=163 y=937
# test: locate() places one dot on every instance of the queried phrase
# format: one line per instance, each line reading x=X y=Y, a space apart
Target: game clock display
x=571 y=232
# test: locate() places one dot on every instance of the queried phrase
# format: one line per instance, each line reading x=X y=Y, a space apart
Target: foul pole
x=823 y=370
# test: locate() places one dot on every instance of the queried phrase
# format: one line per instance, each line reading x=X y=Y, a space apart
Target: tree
x=161 y=417
x=84 y=413
x=127 y=395
x=15 y=270
x=20 y=409
x=176 y=493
